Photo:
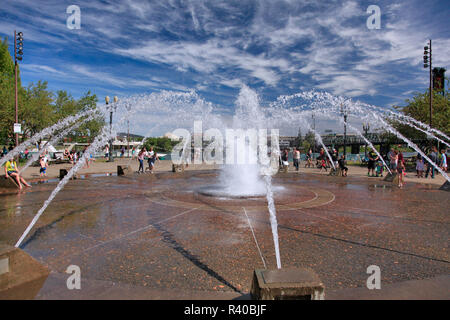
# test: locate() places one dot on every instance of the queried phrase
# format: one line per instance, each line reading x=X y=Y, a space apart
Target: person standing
x=444 y=164
x=43 y=166
x=342 y=166
x=141 y=157
x=373 y=158
x=392 y=155
x=419 y=166
x=334 y=157
x=308 y=158
x=296 y=159
x=106 y=151
x=285 y=159
x=433 y=157
x=402 y=160
x=400 y=170
x=150 y=159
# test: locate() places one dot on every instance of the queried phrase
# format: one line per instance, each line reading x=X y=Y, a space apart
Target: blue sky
x=275 y=47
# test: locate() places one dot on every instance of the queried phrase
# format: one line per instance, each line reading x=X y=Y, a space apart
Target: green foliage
x=419 y=108
x=308 y=141
x=160 y=144
x=38 y=107
x=299 y=140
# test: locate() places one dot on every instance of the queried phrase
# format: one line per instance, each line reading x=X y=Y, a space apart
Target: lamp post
x=366 y=128
x=112 y=107
x=427 y=63
x=18 y=53
x=314 y=129
x=344 y=113
x=128 y=107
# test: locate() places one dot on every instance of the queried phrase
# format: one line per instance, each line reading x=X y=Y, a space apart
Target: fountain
x=249 y=179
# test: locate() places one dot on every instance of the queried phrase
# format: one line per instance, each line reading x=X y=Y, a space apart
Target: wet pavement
x=157 y=232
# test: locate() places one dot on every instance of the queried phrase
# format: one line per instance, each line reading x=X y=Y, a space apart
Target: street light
x=344 y=113
x=427 y=63
x=314 y=128
x=111 y=108
x=128 y=107
x=18 y=53
x=366 y=128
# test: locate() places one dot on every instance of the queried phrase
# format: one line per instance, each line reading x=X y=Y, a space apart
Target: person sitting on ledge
x=342 y=166
x=12 y=171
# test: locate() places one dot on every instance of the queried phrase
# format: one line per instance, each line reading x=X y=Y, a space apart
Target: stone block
x=62 y=173
x=9 y=183
x=178 y=168
x=21 y=276
x=123 y=170
x=391 y=178
x=287 y=284
x=445 y=186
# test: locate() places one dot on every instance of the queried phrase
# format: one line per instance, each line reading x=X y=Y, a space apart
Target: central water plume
x=246 y=178
x=242 y=178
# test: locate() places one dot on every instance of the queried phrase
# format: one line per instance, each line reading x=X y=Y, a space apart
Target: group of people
x=23 y=154
x=323 y=162
x=375 y=165
x=397 y=163
x=73 y=156
x=422 y=165
x=151 y=156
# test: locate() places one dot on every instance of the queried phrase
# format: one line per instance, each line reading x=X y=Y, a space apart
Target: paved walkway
x=100 y=166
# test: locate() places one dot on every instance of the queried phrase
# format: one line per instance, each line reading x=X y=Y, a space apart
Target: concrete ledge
x=283 y=169
x=391 y=178
x=445 y=186
x=335 y=172
x=123 y=170
x=8 y=183
x=287 y=284
x=177 y=167
x=21 y=276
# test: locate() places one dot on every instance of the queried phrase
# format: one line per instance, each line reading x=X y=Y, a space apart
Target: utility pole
x=111 y=108
x=431 y=89
x=314 y=129
x=366 y=128
x=18 y=52
x=344 y=113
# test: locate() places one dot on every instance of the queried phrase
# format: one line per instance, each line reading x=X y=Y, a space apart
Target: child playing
x=43 y=164
x=379 y=168
x=420 y=166
x=323 y=165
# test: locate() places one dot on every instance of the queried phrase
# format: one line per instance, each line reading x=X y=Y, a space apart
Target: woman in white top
x=444 y=160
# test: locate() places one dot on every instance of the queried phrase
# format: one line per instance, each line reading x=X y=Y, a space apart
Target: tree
x=419 y=108
x=36 y=112
x=161 y=144
x=7 y=93
x=309 y=141
x=299 y=140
